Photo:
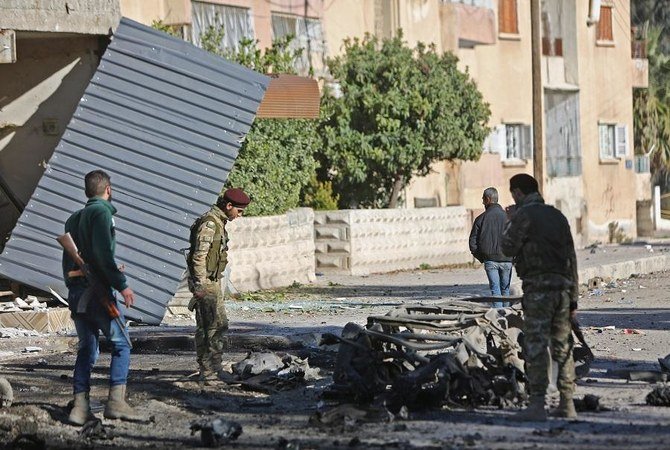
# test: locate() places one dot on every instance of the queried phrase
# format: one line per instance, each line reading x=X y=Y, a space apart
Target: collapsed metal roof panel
x=165 y=119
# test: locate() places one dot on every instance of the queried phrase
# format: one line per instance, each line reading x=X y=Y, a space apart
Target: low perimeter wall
x=273 y=251
x=364 y=241
x=265 y=253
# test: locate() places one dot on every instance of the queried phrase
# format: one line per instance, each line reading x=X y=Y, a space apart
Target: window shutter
x=497 y=141
x=507 y=17
x=604 y=30
x=621 y=141
x=526 y=142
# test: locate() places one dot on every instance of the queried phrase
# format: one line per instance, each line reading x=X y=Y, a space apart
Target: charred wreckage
x=459 y=353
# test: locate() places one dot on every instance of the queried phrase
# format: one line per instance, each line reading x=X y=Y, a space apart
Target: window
x=507 y=17
x=236 y=23
x=519 y=141
x=604 y=28
x=308 y=36
x=613 y=141
x=513 y=141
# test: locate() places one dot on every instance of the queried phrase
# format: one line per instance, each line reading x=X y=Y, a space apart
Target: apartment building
x=588 y=76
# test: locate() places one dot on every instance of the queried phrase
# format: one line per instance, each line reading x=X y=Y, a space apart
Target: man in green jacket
x=207 y=259
x=92 y=229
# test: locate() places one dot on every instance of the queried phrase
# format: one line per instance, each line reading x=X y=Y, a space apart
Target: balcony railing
x=478 y=3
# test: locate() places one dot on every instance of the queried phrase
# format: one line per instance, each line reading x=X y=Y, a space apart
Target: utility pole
x=538 y=113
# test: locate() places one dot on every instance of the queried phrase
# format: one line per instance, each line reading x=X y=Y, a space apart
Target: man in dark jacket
x=92 y=229
x=538 y=236
x=485 y=245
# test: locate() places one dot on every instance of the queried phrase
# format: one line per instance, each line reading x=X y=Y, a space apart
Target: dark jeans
x=500 y=277
x=88 y=329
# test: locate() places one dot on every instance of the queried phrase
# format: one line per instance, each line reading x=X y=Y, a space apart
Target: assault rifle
x=96 y=290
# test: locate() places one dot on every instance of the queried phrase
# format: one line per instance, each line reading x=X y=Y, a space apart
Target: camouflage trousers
x=211 y=325
x=547 y=324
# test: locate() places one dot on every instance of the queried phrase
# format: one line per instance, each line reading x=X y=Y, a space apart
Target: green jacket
x=92 y=229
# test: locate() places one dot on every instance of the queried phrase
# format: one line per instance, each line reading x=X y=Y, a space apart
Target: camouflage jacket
x=209 y=248
x=538 y=237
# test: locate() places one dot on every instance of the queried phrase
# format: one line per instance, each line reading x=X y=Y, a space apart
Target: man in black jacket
x=485 y=245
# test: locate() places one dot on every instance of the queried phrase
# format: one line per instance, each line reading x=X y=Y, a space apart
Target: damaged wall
x=38 y=95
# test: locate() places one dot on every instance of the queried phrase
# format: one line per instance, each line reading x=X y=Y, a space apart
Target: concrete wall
x=72 y=16
x=170 y=12
x=365 y=241
x=264 y=253
x=273 y=251
x=39 y=95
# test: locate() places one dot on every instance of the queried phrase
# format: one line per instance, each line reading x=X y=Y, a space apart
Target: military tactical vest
x=217 y=256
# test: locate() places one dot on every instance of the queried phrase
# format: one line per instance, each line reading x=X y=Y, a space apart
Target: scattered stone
x=6 y=393
x=590 y=403
x=660 y=396
x=93 y=429
x=285 y=444
x=215 y=432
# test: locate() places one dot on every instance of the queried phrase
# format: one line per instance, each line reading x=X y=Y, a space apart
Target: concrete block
x=330 y=232
x=49 y=321
x=7 y=46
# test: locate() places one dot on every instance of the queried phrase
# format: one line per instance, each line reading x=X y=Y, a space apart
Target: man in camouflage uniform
x=207 y=260
x=538 y=237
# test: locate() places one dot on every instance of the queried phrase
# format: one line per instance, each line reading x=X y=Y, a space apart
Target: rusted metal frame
x=427 y=336
x=406 y=343
x=455 y=326
x=436 y=317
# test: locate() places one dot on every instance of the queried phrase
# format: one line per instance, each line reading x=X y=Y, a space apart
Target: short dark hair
x=96 y=182
x=524 y=182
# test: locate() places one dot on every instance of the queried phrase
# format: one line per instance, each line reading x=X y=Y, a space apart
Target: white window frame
x=612 y=141
x=518 y=142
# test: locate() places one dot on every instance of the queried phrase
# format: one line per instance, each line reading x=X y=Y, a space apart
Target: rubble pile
x=459 y=353
x=270 y=372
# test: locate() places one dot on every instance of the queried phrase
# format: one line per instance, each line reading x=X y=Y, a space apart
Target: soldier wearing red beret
x=207 y=260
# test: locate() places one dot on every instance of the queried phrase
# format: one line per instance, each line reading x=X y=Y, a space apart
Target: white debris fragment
x=32 y=349
x=18 y=301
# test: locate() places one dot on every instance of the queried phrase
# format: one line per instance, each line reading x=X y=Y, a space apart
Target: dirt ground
x=162 y=387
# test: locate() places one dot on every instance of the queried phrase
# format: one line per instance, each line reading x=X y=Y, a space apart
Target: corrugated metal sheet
x=291 y=96
x=165 y=119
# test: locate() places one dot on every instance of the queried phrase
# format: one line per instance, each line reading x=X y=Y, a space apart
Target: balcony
x=639 y=63
x=467 y=23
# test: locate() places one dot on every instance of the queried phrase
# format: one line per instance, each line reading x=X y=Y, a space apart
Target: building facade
x=588 y=77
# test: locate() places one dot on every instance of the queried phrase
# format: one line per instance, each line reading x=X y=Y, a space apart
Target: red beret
x=237 y=197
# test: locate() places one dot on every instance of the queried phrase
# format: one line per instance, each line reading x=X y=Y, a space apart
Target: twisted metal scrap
x=457 y=352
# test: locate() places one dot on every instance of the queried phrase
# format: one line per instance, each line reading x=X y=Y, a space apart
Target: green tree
x=651 y=106
x=400 y=110
x=657 y=14
x=276 y=160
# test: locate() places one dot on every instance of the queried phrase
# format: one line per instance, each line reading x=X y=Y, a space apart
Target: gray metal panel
x=165 y=119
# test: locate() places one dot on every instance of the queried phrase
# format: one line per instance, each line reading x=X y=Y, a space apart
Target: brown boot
x=81 y=410
x=117 y=408
x=566 y=408
x=535 y=411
